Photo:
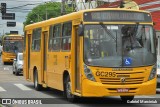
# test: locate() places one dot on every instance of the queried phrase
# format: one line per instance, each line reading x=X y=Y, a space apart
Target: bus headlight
x=88 y=73
x=153 y=73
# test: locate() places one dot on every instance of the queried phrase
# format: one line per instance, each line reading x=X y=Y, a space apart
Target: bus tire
x=70 y=97
x=126 y=98
x=37 y=86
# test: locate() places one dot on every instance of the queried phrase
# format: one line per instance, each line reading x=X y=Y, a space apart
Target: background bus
x=12 y=44
x=93 y=53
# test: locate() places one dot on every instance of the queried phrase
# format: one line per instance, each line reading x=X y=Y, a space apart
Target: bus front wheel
x=68 y=93
x=37 y=86
x=125 y=99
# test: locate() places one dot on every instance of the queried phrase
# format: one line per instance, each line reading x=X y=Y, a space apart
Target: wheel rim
x=68 y=90
x=36 y=80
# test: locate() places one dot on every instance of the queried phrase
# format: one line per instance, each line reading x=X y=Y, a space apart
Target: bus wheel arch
x=37 y=86
x=67 y=87
x=65 y=75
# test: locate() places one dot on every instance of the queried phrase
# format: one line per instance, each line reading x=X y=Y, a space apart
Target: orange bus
x=93 y=53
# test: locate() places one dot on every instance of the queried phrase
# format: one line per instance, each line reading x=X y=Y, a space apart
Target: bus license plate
x=122 y=90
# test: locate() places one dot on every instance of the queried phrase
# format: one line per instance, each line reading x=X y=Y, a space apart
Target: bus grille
x=117 y=81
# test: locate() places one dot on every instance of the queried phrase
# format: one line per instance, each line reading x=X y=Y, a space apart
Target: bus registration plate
x=122 y=90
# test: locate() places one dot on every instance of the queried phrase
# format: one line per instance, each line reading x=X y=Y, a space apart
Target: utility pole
x=3 y=31
x=73 y=5
x=46 y=10
x=63 y=11
x=38 y=17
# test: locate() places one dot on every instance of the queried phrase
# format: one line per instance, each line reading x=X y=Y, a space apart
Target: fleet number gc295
x=105 y=74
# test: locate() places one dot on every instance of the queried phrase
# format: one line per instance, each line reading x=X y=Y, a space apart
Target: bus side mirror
x=80 y=30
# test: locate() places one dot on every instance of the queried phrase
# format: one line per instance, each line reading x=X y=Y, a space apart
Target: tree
x=47 y=10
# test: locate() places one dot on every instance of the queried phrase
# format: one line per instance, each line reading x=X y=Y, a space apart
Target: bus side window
x=66 y=36
x=50 y=38
x=56 y=37
x=36 y=38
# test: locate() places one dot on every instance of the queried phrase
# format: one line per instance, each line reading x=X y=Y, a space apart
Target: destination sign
x=13 y=38
x=112 y=16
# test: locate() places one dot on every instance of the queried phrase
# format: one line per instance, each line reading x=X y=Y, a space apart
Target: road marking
x=2 y=89
x=22 y=87
x=6 y=68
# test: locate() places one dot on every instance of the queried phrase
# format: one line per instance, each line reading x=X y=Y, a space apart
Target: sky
x=20 y=13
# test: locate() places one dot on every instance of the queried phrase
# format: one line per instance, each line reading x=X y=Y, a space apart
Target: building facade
x=149 y=5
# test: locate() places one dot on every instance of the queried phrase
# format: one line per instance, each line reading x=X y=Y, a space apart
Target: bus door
x=77 y=62
x=44 y=56
x=28 y=75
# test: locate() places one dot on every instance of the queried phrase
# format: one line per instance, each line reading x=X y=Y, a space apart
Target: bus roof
x=73 y=16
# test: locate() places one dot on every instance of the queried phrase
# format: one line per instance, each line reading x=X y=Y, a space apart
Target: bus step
x=78 y=91
x=28 y=80
x=77 y=94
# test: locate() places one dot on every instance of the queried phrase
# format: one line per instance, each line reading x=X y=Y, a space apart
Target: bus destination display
x=13 y=38
x=117 y=16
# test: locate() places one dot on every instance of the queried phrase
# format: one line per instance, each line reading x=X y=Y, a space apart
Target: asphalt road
x=12 y=86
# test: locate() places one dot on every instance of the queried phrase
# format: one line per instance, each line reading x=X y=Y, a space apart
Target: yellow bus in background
x=12 y=44
x=93 y=53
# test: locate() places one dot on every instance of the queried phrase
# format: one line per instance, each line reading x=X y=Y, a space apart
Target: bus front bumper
x=97 y=89
x=8 y=60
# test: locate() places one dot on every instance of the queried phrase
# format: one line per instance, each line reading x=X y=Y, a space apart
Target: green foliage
x=53 y=9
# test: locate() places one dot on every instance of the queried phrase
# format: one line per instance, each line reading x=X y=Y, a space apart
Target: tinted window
x=36 y=39
x=54 y=39
x=66 y=36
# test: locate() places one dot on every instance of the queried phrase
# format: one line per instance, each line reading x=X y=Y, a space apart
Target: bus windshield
x=119 y=45
x=13 y=46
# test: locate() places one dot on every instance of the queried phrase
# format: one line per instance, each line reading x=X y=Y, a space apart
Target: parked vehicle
x=18 y=64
